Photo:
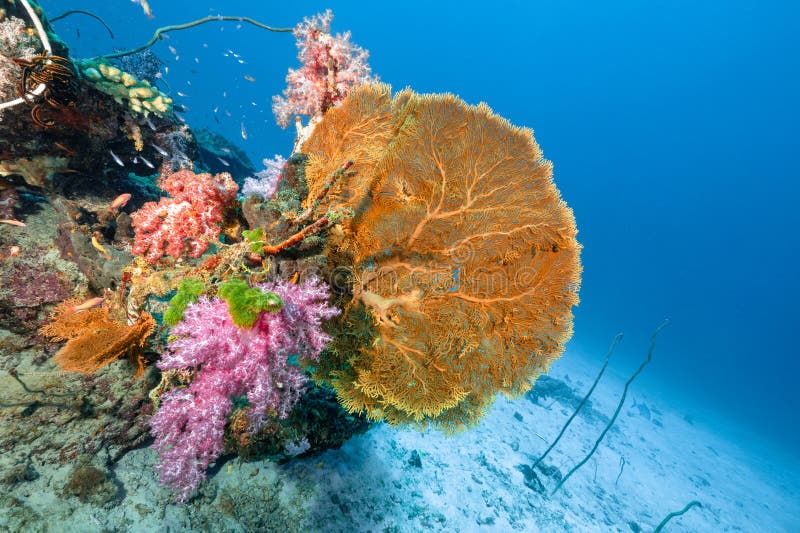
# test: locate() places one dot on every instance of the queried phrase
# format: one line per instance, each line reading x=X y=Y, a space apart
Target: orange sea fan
x=464 y=258
x=93 y=339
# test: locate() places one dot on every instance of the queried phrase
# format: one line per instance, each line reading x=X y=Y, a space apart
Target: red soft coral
x=188 y=220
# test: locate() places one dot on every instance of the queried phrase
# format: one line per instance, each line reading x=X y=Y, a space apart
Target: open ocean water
x=672 y=130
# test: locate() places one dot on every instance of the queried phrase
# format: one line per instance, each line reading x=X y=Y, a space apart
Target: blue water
x=672 y=126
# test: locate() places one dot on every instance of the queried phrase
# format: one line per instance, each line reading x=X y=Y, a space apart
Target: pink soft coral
x=188 y=221
x=331 y=66
x=233 y=362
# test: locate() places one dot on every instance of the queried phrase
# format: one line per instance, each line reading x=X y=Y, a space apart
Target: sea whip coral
x=233 y=362
x=188 y=221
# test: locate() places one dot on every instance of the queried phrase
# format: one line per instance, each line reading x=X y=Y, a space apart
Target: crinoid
x=58 y=77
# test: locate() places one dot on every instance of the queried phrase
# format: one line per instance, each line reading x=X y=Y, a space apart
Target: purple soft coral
x=266 y=182
x=233 y=362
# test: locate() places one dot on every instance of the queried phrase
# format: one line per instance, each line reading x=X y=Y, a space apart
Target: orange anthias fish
x=12 y=222
x=145 y=7
x=88 y=304
x=99 y=247
x=119 y=202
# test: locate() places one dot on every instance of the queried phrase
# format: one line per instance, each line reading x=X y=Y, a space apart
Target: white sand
x=472 y=482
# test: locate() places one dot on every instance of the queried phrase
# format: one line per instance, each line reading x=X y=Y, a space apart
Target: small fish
x=12 y=222
x=150 y=123
x=241 y=61
x=145 y=7
x=159 y=75
x=99 y=247
x=205 y=45
x=249 y=78
x=226 y=150
x=135 y=159
x=117 y=160
x=173 y=50
x=119 y=202
x=88 y=304
x=166 y=70
x=224 y=162
x=182 y=94
x=196 y=60
x=159 y=149
x=216 y=108
x=146 y=162
x=65 y=149
x=224 y=94
x=244 y=132
x=228 y=113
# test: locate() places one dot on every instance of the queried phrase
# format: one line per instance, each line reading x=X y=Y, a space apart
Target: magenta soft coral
x=232 y=362
x=331 y=66
x=186 y=222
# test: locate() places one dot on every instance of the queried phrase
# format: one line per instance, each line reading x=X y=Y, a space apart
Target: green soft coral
x=188 y=292
x=256 y=238
x=246 y=303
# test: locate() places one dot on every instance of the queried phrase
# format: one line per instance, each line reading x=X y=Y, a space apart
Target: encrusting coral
x=93 y=338
x=464 y=258
x=15 y=43
x=138 y=95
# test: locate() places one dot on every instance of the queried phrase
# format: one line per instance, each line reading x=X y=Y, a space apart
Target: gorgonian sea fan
x=233 y=362
x=464 y=255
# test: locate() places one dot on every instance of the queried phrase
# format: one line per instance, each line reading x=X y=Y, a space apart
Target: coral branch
x=176 y=27
x=297 y=237
x=82 y=12
x=335 y=175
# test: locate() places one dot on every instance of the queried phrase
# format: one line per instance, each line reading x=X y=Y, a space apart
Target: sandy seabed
x=390 y=480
